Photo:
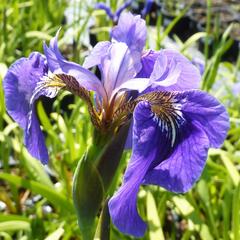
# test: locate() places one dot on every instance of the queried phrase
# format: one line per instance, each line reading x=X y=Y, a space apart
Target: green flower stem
x=92 y=179
x=105 y=223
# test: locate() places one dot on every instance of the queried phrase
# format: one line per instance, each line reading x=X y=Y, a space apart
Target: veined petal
x=180 y=75
x=206 y=125
x=99 y=51
x=139 y=84
x=19 y=84
x=130 y=30
x=120 y=65
x=171 y=71
x=170 y=145
x=123 y=205
x=34 y=140
x=58 y=65
x=148 y=60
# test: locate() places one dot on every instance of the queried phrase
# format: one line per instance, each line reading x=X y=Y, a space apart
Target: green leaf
x=56 y=235
x=5 y=218
x=232 y=170
x=205 y=233
x=191 y=40
x=155 y=228
x=39 y=35
x=183 y=205
x=5 y=236
x=14 y=226
x=35 y=169
x=236 y=213
x=173 y=23
x=50 y=194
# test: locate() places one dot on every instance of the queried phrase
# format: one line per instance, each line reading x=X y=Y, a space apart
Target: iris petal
x=100 y=50
x=58 y=64
x=206 y=126
x=172 y=133
x=148 y=60
x=19 y=84
x=123 y=205
x=169 y=70
x=120 y=65
x=130 y=30
x=180 y=74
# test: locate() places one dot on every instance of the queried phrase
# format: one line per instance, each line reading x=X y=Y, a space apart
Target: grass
x=211 y=210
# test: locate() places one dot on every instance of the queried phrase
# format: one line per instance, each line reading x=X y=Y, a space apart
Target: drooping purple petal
x=19 y=84
x=98 y=52
x=123 y=205
x=171 y=137
x=57 y=64
x=120 y=65
x=207 y=123
x=130 y=30
x=184 y=166
x=34 y=140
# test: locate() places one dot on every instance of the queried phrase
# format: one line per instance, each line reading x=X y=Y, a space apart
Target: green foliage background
x=38 y=205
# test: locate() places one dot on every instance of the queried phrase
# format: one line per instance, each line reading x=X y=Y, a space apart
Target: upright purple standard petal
x=98 y=52
x=171 y=137
x=19 y=84
x=130 y=30
x=119 y=66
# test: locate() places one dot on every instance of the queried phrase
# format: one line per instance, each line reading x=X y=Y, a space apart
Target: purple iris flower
x=113 y=16
x=174 y=124
x=147 y=8
x=29 y=78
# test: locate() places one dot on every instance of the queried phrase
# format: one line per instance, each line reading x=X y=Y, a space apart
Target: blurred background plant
x=35 y=200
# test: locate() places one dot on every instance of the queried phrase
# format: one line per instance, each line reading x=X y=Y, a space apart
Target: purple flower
x=113 y=16
x=174 y=124
x=29 y=78
x=147 y=8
